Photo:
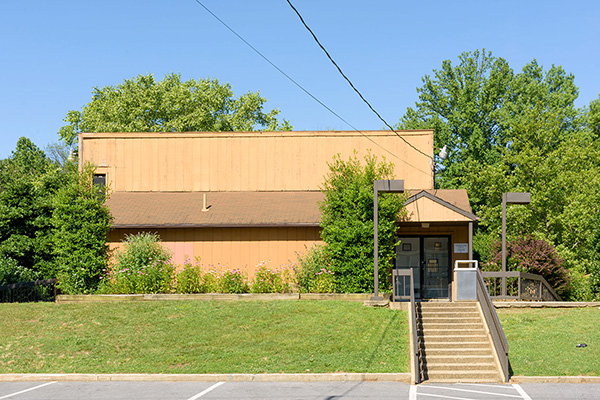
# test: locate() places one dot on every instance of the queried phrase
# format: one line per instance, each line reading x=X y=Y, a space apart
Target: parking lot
x=152 y=390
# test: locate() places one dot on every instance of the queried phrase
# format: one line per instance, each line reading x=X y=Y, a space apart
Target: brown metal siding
x=242 y=248
x=251 y=161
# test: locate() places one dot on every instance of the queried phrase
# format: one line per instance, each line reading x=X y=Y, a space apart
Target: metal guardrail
x=415 y=355
x=493 y=323
x=520 y=286
x=40 y=290
x=402 y=291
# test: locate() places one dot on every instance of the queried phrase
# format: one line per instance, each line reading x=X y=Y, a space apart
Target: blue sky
x=52 y=53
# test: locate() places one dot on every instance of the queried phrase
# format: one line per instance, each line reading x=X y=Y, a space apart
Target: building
x=236 y=199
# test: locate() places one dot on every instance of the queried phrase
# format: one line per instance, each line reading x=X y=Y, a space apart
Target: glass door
x=408 y=255
x=429 y=257
x=436 y=267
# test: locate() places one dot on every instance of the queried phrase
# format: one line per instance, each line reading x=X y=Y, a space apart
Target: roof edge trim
x=444 y=203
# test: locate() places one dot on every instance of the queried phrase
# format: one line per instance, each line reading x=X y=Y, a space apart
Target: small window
x=100 y=183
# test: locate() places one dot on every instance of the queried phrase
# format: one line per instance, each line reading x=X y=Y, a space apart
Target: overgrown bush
x=142 y=265
x=81 y=221
x=189 y=279
x=267 y=280
x=232 y=281
x=12 y=272
x=347 y=222
x=313 y=271
x=534 y=256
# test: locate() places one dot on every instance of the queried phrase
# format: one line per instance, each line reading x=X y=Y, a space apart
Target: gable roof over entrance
x=441 y=205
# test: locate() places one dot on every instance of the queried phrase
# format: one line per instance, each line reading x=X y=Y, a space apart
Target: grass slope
x=542 y=342
x=202 y=337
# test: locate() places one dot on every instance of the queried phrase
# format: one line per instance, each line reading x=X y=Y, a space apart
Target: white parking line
x=497 y=385
x=202 y=393
x=26 y=390
x=521 y=391
x=439 y=396
x=473 y=391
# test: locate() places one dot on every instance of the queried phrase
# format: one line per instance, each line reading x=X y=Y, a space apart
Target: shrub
x=81 y=221
x=189 y=279
x=313 y=272
x=534 y=256
x=232 y=281
x=12 y=272
x=324 y=282
x=143 y=265
x=267 y=280
x=347 y=222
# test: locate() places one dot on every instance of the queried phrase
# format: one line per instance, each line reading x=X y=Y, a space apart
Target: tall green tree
x=28 y=180
x=143 y=104
x=53 y=223
x=462 y=103
x=509 y=131
x=347 y=222
x=80 y=223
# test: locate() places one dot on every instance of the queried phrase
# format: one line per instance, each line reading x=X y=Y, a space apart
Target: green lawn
x=543 y=341
x=202 y=337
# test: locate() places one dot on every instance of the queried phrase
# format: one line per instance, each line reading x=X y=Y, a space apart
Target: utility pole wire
x=350 y=82
x=304 y=90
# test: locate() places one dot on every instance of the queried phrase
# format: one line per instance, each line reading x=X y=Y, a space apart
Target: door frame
x=421 y=261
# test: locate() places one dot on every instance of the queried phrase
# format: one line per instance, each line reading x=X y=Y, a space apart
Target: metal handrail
x=520 y=276
x=494 y=326
x=415 y=342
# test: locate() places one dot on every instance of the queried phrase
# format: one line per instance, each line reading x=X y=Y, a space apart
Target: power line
x=350 y=82
x=310 y=94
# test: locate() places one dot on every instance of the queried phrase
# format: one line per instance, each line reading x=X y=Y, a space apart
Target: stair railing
x=493 y=324
x=415 y=342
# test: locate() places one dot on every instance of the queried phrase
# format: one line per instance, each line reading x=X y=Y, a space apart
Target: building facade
x=239 y=199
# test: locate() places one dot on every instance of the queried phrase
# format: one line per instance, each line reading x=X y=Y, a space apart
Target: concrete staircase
x=453 y=343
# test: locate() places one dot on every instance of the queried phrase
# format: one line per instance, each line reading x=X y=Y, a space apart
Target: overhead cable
x=306 y=91
x=351 y=84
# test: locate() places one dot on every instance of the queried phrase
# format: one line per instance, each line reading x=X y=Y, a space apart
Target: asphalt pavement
x=186 y=390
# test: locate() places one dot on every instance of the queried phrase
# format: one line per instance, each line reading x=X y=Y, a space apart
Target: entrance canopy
x=441 y=205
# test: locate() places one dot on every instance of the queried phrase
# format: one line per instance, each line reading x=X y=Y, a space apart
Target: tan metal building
x=236 y=199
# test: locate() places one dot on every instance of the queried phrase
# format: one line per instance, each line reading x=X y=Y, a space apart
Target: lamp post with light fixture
x=509 y=198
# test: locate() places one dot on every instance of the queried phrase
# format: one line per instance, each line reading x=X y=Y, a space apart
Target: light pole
x=385 y=186
x=509 y=198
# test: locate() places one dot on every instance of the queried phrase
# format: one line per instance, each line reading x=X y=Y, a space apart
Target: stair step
x=459 y=359
x=452 y=326
x=449 y=352
x=447 y=306
x=463 y=376
x=454 y=345
x=450 y=332
x=449 y=315
x=451 y=319
x=456 y=366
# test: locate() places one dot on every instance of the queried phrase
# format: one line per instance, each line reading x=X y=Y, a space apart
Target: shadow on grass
x=381 y=339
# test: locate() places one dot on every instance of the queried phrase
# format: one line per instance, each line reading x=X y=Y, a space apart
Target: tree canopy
x=508 y=131
x=52 y=222
x=347 y=222
x=143 y=104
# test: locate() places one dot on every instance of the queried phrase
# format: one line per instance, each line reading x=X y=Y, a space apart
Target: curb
x=327 y=377
x=333 y=377
x=545 y=304
x=555 y=379
x=87 y=298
